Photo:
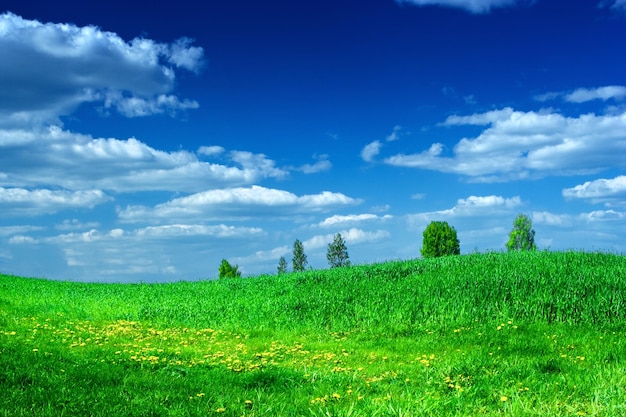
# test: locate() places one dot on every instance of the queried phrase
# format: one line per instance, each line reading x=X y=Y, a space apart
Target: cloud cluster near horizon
x=518 y=145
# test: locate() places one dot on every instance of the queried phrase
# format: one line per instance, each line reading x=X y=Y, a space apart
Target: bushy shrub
x=440 y=239
x=227 y=270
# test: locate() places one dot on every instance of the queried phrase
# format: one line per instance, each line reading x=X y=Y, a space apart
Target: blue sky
x=146 y=144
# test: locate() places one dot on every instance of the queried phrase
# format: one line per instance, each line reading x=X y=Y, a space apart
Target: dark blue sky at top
x=278 y=69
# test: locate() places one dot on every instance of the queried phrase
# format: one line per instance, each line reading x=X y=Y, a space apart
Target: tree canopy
x=299 y=260
x=337 y=253
x=439 y=239
x=522 y=235
x=227 y=270
x=282 y=266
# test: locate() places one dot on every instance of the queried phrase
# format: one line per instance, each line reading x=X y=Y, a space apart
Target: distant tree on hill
x=440 y=239
x=299 y=257
x=282 y=265
x=337 y=253
x=227 y=270
x=522 y=236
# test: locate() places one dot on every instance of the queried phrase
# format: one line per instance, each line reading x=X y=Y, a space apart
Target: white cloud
x=472 y=206
x=241 y=202
x=137 y=254
x=138 y=107
x=472 y=6
x=168 y=231
x=617 y=5
x=177 y=230
x=551 y=219
x=604 y=216
x=352 y=236
x=183 y=55
x=519 y=145
x=565 y=221
x=21 y=239
x=14 y=230
x=322 y=164
x=272 y=255
x=609 y=191
x=395 y=135
x=23 y=202
x=581 y=95
x=319 y=166
x=75 y=224
x=54 y=157
x=480 y=205
x=257 y=163
x=371 y=150
x=210 y=150
x=352 y=218
x=55 y=67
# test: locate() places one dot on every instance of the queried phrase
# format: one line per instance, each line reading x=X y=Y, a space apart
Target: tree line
x=439 y=239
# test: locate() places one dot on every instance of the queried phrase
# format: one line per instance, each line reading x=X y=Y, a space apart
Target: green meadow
x=503 y=334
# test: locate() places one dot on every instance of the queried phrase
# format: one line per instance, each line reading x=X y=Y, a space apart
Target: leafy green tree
x=522 y=236
x=282 y=265
x=228 y=271
x=337 y=253
x=440 y=239
x=299 y=257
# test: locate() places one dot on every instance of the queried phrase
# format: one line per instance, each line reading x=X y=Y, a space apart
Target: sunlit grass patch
x=495 y=334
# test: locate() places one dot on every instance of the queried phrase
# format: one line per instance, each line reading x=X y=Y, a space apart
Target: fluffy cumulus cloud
x=517 y=145
x=472 y=6
x=136 y=254
x=350 y=236
x=23 y=202
x=479 y=220
x=609 y=191
x=478 y=206
x=255 y=201
x=338 y=219
x=48 y=69
x=54 y=157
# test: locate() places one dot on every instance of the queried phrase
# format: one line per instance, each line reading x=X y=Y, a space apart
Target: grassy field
x=520 y=334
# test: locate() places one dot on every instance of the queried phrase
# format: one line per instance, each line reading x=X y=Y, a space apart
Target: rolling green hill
x=533 y=333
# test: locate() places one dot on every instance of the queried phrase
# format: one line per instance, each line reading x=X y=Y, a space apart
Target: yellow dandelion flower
x=503 y=398
x=336 y=396
x=220 y=410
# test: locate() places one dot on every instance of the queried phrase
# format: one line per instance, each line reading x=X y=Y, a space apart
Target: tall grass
x=537 y=333
x=550 y=287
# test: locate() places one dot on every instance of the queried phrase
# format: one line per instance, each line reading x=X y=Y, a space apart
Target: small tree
x=522 y=236
x=337 y=253
x=228 y=271
x=299 y=257
x=282 y=265
x=439 y=239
